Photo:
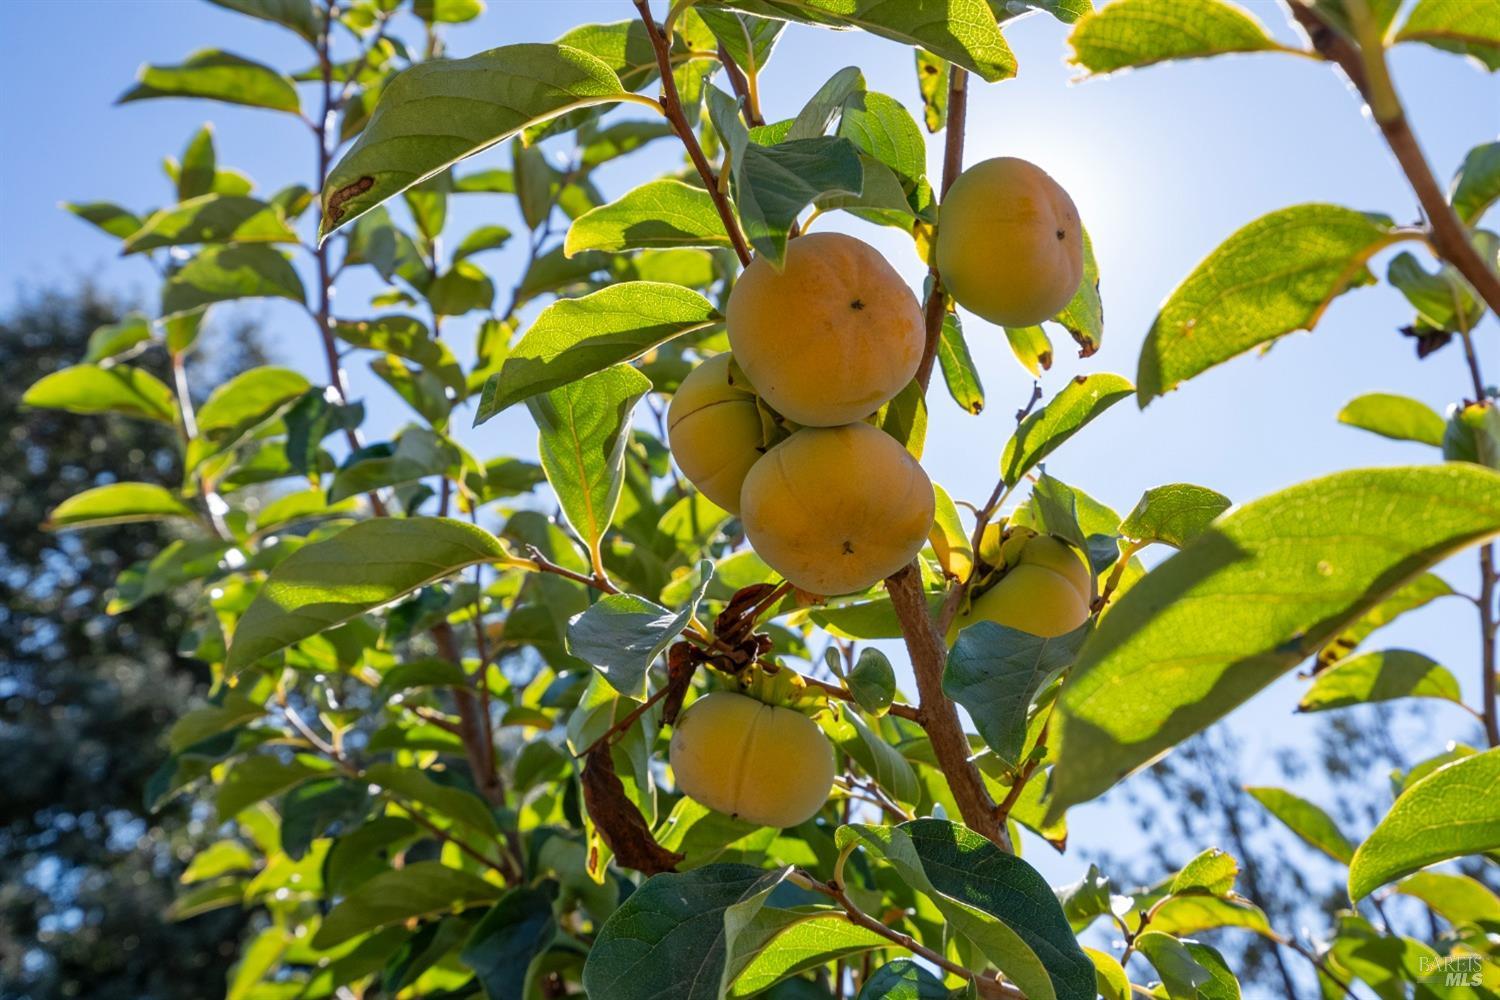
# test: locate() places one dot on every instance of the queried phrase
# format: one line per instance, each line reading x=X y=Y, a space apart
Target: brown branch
x=939 y=716
x=924 y=643
x=671 y=104
x=1487 y=626
x=741 y=87
x=1366 y=69
x=936 y=306
x=1365 y=65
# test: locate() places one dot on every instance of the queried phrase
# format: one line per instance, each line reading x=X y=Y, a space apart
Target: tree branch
x=924 y=643
x=939 y=716
x=671 y=104
x=936 y=306
x=1365 y=66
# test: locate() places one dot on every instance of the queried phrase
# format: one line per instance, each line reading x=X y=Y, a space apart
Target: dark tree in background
x=86 y=874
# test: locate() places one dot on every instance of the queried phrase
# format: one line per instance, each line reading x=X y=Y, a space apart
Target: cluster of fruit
x=778 y=432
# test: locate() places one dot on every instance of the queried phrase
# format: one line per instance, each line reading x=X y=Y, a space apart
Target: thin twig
x=987 y=986
x=742 y=88
x=671 y=105
x=936 y=306
x=1366 y=68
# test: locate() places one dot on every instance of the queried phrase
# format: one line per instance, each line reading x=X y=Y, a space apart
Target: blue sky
x=1163 y=163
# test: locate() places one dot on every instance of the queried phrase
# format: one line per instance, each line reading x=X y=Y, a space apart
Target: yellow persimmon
x=830 y=337
x=757 y=762
x=1009 y=245
x=715 y=430
x=835 y=510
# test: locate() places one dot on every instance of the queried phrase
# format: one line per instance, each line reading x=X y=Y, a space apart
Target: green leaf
x=1443 y=300
x=584 y=428
x=116 y=503
x=995 y=672
x=573 y=338
x=1395 y=673
x=748 y=40
x=1083 y=316
x=881 y=127
x=1112 y=982
x=1476 y=186
x=415 y=787
x=880 y=760
x=424 y=673
x=1188 y=970
x=1031 y=346
x=621 y=634
x=932 y=84
x=676 y=935
x=661 y=213
x=294 y=14
x=1212 y=873
x=872 y=682
x=1454 y=26
x=245 y=402
x=212 y=218
x=107 y=216
x=819 y=111
x=1306 y=820
x=211 y=720
x=260 y=777
x=1422 y=591
x=481 y=239
x=436 y=113
x=959 y=371
x=904 y=417
x=603 y=145
x=993 y=898
x=448 y=11
x=462 y=288
x=1458 y=899
x=1448 y=814
x=117 y=339
x=1174 y=514
x=903 y=979
x=775 y=183
x=217 y=76
x=781 y=943
x=1044 y=431
x=508 y=939
x=196 y=173
x=368 y=564
x=420 y=889
x=1400 y=418
x=221 y=274
x=1141 y=32
x=1262 y=589
x=1274 y=276
x=1472 y=434
x=417 y=454
x=1195 y=913
x=90 y=389
x=961 y=31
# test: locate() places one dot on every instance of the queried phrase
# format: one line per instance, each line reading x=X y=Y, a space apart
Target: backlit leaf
x=1274 y=276
x=1262 y=589
x=218 y=76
